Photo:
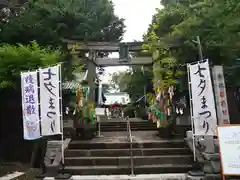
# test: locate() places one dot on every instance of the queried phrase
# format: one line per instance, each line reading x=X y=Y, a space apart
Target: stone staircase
x=109 y=158
x=120 y=125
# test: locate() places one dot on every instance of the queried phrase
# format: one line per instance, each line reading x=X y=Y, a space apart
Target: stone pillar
x=91 y=75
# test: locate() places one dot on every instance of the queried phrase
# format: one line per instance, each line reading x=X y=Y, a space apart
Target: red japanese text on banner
x=220 y=95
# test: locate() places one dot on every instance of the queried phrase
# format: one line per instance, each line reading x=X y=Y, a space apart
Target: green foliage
x=133 y=81
x=216 y=22
x=14 y=59
x=48 y=22
x=105 y=88
x=129 y=110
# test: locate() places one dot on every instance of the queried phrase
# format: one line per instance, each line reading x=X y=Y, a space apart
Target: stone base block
x=212 y=177
x=189 y=177
x=211 y=156
x=212 y=167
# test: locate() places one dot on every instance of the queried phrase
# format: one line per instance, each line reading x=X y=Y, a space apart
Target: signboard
x=30 y=109
x=203 y=105
x=220 y=95
x=50 y=100
x=99 y=111
x=229 y=143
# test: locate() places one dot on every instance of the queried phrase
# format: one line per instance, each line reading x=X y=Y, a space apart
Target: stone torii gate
x=93 y=60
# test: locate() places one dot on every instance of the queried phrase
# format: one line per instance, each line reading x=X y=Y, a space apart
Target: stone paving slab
x=129 y=177
x=122 y=137
x=14 y=176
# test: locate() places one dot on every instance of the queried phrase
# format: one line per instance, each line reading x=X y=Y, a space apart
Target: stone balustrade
x=207 y=157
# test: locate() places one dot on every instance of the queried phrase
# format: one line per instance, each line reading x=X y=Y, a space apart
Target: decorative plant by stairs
x=85 y=120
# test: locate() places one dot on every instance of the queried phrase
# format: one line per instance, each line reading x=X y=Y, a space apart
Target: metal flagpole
x=99 y=103
x=61 y=110
x=144 y=88
x=191 y=112
x=200 y=48
x=198 y=42
x=62 y=175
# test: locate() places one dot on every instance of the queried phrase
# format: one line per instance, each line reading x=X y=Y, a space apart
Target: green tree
x=14 y=59
x=216 y=22
x=48 y=22
x=133 y=81
x=106 y=88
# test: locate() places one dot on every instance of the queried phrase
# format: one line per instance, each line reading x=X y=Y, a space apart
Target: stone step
x=171 y=176
x=132 y=127
x=126 y=152
x=175 y=143
x=148 y=126
x=135 y=125
x=125 y=122
x=125 y=125
x=125 y=160
x=116 y=170
x=122 y=126
x=110 y=129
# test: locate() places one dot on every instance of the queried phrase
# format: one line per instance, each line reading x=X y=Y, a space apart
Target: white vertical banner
x=203 y=105
x=50 y=101
x=30 y=109
x=220 y=95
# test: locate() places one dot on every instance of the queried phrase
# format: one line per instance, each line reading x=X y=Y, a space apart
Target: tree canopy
x=14 y=59
x=133 y=81
x=48 y=22
x=216 y=22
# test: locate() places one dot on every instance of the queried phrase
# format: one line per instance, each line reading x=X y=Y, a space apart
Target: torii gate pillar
x=91 y=77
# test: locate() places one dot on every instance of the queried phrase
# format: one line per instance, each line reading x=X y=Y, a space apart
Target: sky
x=138 y=15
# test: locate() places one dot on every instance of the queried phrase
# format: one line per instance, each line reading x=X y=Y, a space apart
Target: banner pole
x=200 y=48
x=99 y=105
x=191 y=113
x=99 y=127
x=61 y=110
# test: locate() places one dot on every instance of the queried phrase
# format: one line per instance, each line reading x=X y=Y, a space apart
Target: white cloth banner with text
x=203 y=104
x=30 y=109
x=49 y=101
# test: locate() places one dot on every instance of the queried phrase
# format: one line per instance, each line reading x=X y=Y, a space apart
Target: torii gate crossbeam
x=94 y=47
